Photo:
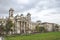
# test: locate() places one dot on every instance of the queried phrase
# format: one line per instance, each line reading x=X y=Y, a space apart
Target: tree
x=40 y=29
x=1 y=29
x=56 y=27
x=9 y=26
x=37 y=28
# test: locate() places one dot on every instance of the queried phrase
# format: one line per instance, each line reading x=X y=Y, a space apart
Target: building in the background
x=49 y=27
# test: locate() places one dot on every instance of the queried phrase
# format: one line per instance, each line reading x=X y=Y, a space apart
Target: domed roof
x=11 y=9
x=21 y=14
x=28 y=14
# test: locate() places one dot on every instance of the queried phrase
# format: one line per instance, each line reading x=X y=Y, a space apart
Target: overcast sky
x=44 y=10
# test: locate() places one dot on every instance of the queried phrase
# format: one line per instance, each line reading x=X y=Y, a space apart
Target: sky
x=44 y=10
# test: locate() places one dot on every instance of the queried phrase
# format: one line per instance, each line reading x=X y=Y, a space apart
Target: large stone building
x=23 y=24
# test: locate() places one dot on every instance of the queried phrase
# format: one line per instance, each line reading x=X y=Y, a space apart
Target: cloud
x=22 y=1
x=45 y=10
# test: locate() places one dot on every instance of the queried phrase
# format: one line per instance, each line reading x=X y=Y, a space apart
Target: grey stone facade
x=23 y=24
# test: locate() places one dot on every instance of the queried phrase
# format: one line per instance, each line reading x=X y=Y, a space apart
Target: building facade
x=23 y=24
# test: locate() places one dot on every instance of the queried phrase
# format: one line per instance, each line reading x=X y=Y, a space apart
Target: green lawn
x=42 y=36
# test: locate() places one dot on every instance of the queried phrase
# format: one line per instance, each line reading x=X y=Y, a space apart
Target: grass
x=42 y=36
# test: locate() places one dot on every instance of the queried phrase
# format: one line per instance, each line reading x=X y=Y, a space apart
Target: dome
x=11 y=9
x=28 y=14
x=21 y=14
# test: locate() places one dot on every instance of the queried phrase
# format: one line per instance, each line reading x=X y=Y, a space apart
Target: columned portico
x=21 y=27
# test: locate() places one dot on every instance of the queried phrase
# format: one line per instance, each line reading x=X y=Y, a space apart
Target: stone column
x=21 y=27
x=24 y=27
x=18 y=27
